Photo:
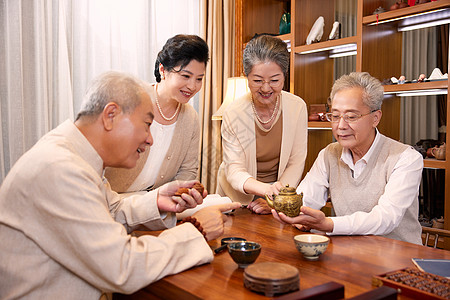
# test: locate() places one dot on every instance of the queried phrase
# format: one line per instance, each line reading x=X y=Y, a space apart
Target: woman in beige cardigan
x=179 y=71
x=264 y=133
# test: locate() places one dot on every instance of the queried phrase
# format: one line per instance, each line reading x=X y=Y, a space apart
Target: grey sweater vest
x=350 y=195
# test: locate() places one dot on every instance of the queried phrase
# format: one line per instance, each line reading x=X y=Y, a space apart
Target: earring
x=162 y=75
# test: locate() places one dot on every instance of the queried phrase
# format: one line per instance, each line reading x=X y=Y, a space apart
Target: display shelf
x=319 y=125
x=327 y=45
x=410 y=87
x=434 y=163
x=285 y=37
x=429 y=8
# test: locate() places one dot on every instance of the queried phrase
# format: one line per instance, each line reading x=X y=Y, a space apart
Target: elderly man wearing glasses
x=373 y=181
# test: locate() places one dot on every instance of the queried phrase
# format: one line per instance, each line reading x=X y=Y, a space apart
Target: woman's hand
x=273 y=189
x=259 y=206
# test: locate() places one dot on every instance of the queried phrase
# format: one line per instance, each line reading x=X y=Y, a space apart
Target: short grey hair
x=111 y=86
x=373 y=91
x=266 y=48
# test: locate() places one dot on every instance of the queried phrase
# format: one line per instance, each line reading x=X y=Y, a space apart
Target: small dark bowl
x=225 y=241
x=244 y=253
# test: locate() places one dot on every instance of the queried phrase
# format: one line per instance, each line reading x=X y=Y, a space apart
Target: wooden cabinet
x=378 y=46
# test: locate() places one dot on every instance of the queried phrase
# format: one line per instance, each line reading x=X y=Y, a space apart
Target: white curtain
x=50 y=50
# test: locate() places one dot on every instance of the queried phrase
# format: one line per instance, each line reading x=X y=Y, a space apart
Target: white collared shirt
x=405 y=180
x=162 y=137
x=358 y=167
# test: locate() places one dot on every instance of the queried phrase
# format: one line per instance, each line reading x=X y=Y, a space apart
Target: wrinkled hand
x=259 y=206
x=211 y=218
x=166 y=200
x=273 y=189
x=308 y=219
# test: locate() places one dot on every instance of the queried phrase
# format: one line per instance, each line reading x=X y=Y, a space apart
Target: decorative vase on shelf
x=285 y=23
x=394 y=6
x=439 y=152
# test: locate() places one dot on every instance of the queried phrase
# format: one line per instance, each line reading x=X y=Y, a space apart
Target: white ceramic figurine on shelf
x=315 y=35
x=334 y=34
x=436 y=74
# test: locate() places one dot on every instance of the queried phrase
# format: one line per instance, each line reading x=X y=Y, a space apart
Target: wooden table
x=349 y=260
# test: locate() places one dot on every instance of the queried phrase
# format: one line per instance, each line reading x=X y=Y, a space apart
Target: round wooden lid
x=271 y=271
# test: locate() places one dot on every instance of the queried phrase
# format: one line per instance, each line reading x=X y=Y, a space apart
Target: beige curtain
x=345 y=14
x=218 y=29
x=419 y=115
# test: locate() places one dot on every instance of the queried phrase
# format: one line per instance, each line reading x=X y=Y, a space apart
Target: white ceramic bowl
x=311 y=245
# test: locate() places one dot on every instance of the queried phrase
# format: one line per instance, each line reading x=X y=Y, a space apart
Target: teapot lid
x=287 y=190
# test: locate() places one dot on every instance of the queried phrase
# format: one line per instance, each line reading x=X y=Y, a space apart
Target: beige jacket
x=64 y=232
x=181 y=160
x=239 y=146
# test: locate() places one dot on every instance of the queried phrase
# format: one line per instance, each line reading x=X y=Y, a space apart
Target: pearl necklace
x=271 y=117
x=160 y=110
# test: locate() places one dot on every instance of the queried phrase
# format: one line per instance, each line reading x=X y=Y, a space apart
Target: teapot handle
x=438 y=152
x=432 y=151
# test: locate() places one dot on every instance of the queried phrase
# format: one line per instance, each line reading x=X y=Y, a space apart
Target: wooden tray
x=416 y=284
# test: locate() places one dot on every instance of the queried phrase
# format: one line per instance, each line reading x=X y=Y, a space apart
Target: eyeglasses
x=259 y=82
x=349 y=117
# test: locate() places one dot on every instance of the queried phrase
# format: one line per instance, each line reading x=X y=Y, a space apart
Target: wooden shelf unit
x=379 y=52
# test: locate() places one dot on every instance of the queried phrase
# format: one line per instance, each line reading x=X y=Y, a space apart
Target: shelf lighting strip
x=424 y=25
x=423 y=93
x=342 y=54
x=406 y=17
x=429 y=92
x=438 y=18
x=319 y=128
x=329 y=48
x=343 y=51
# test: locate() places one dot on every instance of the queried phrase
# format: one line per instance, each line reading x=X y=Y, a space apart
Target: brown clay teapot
x=438 y=152
x=403 y=4
x=395 y=6
x=287 y=201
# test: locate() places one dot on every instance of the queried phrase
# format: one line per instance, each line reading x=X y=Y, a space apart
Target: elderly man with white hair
x=66 y=235
x=373 y=181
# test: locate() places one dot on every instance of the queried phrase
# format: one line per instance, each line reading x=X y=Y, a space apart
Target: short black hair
x=180 y=50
